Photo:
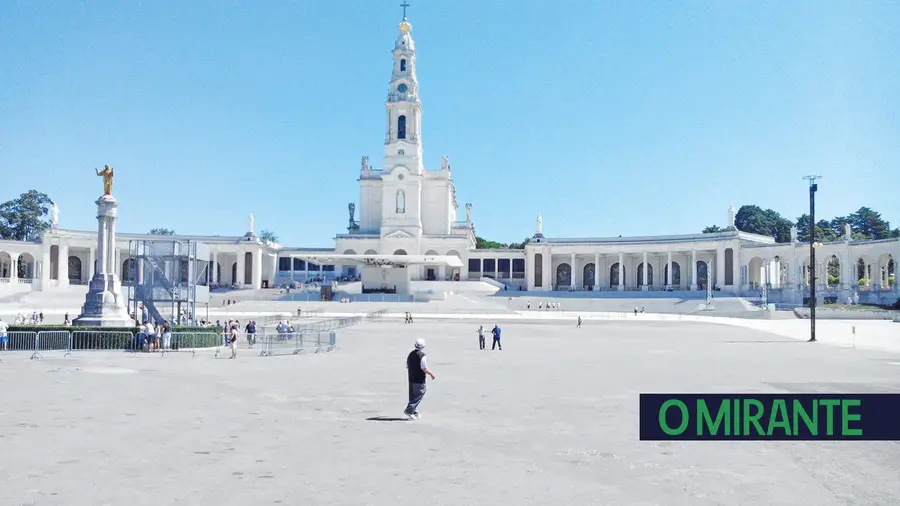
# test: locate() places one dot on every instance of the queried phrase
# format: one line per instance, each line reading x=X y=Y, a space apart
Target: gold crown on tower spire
x=405 y=27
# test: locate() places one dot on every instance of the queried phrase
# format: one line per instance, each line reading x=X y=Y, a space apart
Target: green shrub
x=195 y=337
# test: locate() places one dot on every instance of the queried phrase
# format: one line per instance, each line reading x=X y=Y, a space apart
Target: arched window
x=403 y=65
x=401 y=127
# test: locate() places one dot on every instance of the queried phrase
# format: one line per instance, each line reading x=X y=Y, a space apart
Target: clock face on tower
x=402 y=88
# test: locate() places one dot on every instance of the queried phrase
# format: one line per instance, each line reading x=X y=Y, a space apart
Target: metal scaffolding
x=162 y=279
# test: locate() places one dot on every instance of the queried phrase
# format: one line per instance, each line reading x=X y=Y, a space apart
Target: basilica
x=409 y=217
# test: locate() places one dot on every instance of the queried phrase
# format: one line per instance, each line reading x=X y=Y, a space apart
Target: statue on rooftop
x=364 y=166
x=54 y=215
x=250 y=224
x=445 y=163
x=468 y=214
x=539 y=225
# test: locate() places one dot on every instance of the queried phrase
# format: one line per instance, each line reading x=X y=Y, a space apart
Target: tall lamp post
x=812 y=255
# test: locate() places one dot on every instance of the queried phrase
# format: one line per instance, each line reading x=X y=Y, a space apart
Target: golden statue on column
x=107 y=174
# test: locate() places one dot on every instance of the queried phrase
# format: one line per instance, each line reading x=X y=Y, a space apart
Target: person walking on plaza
x=416 y=370
x=251 y=333
x=4 y=337
x=481 y=337
x=166 y=331
x=579 y=322
x=152 y=341
x=232 y=341
x=496 y=333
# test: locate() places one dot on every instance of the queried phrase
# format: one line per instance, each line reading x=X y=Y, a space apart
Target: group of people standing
x=495 y=333
x=154 y=337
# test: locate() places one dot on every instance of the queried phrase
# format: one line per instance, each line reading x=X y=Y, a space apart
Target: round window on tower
x=402 y=88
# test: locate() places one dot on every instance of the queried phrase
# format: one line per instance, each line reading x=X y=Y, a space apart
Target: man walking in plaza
x=251 y=333
x=4 y=337
x=416 y=370
x=496 y=333
x=481 y=337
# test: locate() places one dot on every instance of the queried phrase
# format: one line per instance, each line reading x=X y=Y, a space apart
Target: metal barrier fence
x=316 y=336
x=47 y=341
x=270 y=343
x=66 y=342
x=297 y=342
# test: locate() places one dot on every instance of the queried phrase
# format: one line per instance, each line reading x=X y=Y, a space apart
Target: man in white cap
x=417 y=369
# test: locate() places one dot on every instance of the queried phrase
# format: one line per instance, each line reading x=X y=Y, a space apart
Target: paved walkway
x=550 y=420
x=869 y=334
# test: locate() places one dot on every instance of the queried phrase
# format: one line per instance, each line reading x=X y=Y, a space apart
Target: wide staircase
x=675 y=302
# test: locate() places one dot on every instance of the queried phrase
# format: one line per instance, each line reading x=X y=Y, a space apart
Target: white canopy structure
x=381 y=260
x=387 y=273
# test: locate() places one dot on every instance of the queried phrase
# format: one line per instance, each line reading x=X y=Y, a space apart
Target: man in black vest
x=417 y=369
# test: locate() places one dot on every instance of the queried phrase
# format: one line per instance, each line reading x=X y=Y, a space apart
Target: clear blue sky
x=608 y=118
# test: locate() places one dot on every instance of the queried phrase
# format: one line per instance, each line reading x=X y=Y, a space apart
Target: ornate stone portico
x=679 y=262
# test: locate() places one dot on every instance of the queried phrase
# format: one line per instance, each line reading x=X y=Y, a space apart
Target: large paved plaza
x=552 y=419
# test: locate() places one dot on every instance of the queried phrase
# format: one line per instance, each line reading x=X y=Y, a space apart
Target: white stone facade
x=405 y=208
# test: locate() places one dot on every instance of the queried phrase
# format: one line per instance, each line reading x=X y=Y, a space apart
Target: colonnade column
x=13 y=267
x=644 y=284
x=693 y=270
x=273 y=274
x=215 y=271
x=669 y=276
x=546 y=267
x=720 y=267
x=256 y=271
x=240 y=271
x=45 y=265
x=572 y=276
x=529 y=270
x=621 y=271
x=62 y=263
x=596 y=271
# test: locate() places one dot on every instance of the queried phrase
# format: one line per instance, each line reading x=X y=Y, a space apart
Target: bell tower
x=402 y=174
x=403 y=140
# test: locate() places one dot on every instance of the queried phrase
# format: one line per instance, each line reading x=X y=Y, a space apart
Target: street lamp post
x=812 y=255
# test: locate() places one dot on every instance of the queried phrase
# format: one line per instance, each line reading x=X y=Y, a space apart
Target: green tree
x=519 y=245
x=481 y=243
x=268 y=236
x=713 y=229
x=161 y=231
x=869 y=223
x=25 y=218
x=755 y=220
x=825 y=230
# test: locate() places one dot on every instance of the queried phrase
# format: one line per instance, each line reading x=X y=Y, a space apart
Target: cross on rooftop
x=404 y=5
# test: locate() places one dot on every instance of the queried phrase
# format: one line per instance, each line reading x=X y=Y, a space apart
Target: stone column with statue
x=104 y=305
